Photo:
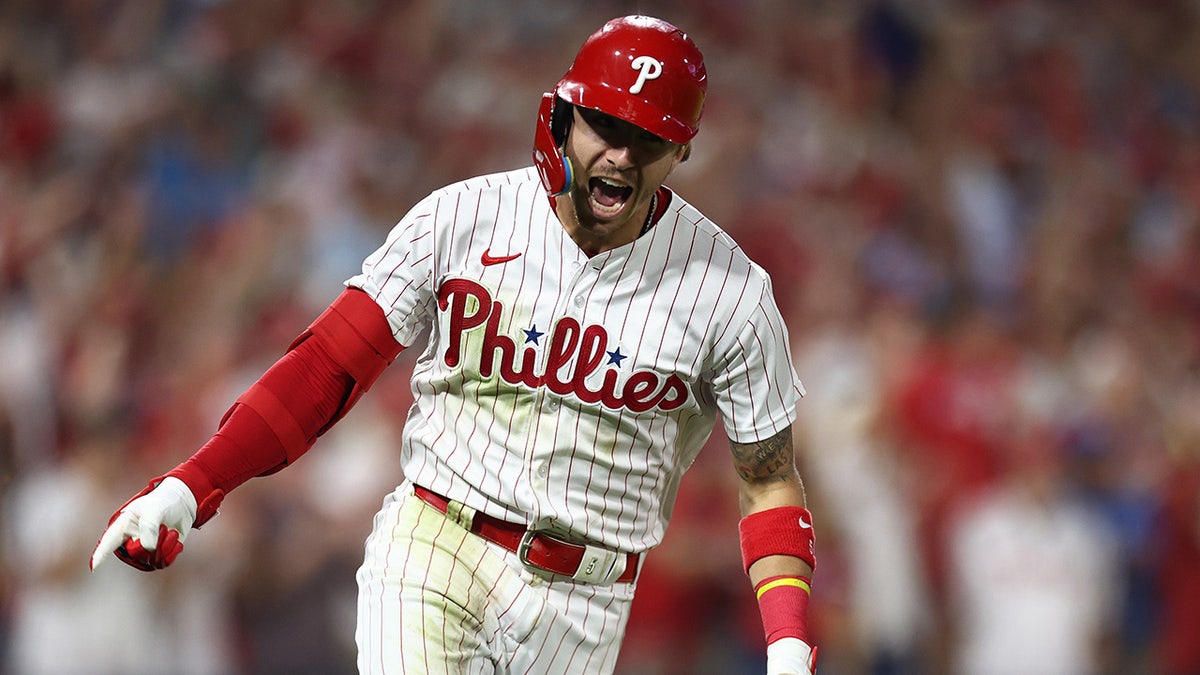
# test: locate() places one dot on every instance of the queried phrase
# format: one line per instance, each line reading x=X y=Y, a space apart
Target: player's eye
x=598 y=120
x=619 y=132
x=652 y=141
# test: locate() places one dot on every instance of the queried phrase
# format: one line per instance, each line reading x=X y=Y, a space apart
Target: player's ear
x=681 y=155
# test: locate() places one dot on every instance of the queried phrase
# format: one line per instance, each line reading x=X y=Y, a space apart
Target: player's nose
x=621 y=154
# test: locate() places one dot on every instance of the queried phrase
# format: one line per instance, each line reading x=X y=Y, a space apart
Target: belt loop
x=460 y=513
x=600 y=566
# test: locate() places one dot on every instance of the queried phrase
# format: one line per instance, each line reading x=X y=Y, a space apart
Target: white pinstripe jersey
x=571 y=392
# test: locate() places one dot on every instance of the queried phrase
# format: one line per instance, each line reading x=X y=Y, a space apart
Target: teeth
x=610 y=211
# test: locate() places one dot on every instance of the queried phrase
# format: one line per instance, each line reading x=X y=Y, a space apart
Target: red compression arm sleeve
x=783 y=604
x=312 y=386
x=246 y=446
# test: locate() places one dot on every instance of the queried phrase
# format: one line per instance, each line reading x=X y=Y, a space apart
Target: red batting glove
x=149 y=530
x=168 y=547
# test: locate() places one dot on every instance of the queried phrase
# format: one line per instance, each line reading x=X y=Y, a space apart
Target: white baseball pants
x=434 y=598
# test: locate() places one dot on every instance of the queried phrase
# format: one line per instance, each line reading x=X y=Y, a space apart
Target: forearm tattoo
x=767 y=460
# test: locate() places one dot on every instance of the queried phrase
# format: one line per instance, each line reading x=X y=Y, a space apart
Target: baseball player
x=582 y=329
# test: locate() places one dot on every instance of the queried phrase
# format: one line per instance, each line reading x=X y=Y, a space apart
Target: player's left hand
x=791 y=656
x=149 y=531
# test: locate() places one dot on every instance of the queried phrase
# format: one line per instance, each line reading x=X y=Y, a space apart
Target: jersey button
x=578 y=300
x=553 y=406
x=542 y=470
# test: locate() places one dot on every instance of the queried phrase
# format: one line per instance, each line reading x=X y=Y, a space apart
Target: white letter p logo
x=649 y=69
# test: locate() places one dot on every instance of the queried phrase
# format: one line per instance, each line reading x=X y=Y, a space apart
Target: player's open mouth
x=608 y=197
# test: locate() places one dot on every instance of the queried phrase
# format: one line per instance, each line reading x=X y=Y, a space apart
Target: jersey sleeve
x=756 y=386
x=399 y=274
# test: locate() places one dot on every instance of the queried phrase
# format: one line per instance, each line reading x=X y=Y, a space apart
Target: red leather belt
x=535 y=548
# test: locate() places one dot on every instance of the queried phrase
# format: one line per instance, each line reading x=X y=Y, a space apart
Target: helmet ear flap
x=554 y=123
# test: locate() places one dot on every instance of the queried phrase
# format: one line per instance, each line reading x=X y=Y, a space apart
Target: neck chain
x=650 y=215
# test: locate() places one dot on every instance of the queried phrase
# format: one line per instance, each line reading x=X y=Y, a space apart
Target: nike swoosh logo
x=803 y=524
x=489 y=259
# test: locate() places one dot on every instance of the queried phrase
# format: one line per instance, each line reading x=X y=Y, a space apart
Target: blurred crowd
x=982 y=219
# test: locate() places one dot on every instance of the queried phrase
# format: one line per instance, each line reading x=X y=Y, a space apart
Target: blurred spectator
x=1178 y=543
x=950 y=414
x=863 y=489
x=65 y=619
x=1034 y=587
x=26 y=384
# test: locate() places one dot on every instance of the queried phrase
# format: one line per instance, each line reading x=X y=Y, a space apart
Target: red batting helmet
x=636 y=68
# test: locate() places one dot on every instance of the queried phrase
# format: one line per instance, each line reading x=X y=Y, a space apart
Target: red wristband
x=784 y=530
x=783 y=604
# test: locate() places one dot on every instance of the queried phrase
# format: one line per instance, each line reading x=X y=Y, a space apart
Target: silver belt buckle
x=523 y=550
x=599 y=566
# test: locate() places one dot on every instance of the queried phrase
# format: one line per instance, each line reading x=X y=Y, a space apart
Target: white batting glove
x=148 y=532
x=791 y=656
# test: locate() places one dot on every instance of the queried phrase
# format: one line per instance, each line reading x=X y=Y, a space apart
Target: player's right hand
x=149 y=530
